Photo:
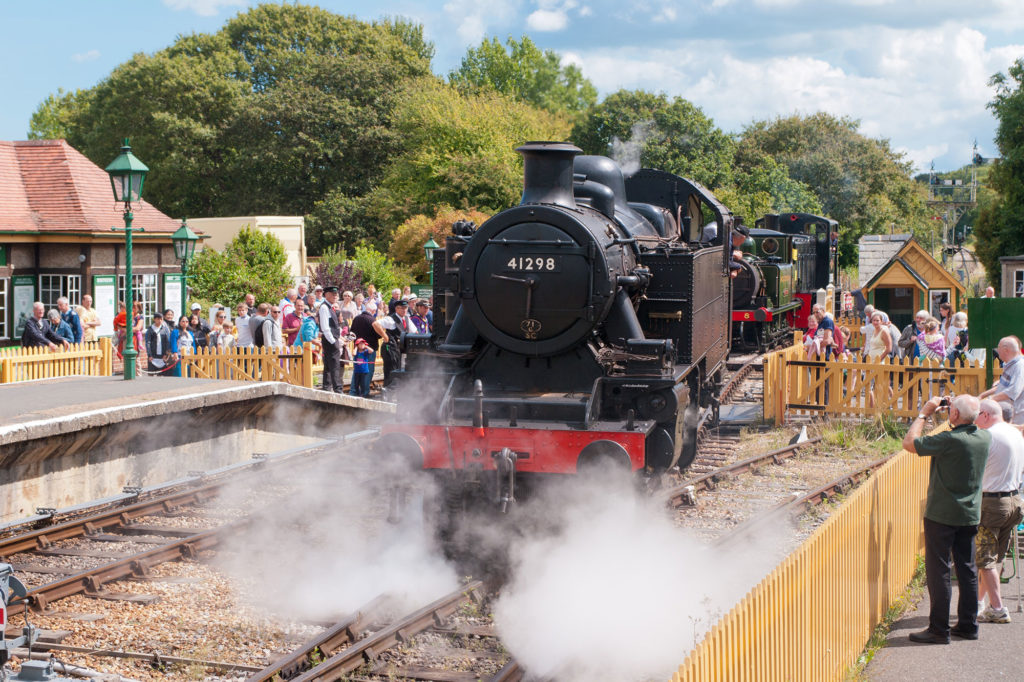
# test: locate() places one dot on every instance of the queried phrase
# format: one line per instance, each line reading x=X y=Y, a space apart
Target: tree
x=767 y=188
x=57 y=113
x=459 y=152
x=859 y=181
x=524 y=72
x=254 y=262
x=641 y=129
x=282 y=106
x=379 y=270
x=1000 y=226
x=407 y=245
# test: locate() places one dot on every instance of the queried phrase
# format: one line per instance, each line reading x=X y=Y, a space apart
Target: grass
x=882 y=435
x=901 y=605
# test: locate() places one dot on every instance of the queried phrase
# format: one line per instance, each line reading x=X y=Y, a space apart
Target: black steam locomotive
x=584 y=326
x=786 y=259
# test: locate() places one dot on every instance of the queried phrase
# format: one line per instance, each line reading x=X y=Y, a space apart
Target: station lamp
x=184 y=240
x=127 y=174
x=429 y=249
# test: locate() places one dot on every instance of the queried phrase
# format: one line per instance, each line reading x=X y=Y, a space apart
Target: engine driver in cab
x=740 y=237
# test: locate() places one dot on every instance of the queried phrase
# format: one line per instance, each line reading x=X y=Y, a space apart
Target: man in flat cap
x=330 y=327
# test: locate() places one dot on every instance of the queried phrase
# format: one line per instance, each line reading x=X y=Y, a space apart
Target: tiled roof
x=875 y=250
x=48 y=186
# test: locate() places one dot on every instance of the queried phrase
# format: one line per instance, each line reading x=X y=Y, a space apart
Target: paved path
x=998 y=654
x=50 y=398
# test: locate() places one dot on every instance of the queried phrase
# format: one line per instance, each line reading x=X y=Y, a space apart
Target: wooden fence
x=80 y=359
x=810 y=618
x=795 y=385
x=292 y=365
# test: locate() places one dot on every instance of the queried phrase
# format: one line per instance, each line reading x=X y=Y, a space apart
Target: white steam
x=617 y=593
x=627 y=153
x=327 y=549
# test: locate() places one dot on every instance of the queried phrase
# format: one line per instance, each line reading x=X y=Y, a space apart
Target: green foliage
x=998 y=229
x=524 y=72
x=656 y=132
x=56 y=114
x=379 y=270
x=767 y=188
x=254 y=262
x=459 y=152
x=337 y=221
x=859 y=181
x=407 y=245
x=282 y=106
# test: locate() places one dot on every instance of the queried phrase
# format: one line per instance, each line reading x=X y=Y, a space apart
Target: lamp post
x=429 y=248
x=184 y=240
x=127 y=174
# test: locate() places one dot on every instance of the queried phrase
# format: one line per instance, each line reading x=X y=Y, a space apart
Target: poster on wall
x=24 y=297
x=104 y=299
x=938 y=297
x=172 y=294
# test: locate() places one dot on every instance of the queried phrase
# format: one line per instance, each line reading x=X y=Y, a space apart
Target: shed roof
x=875 y=251
x=48 y=186
x=919 y=265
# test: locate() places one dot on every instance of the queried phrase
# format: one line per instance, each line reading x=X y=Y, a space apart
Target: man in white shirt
x=1001 y=506
x=287 y=304
x=1010 y=387
x=242 y=330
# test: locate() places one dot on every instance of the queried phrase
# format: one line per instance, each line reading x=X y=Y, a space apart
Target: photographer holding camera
x=952 y=513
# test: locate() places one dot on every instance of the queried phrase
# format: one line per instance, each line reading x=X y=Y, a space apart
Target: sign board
x=24 y=296
x=422 y=291
x=172 y=294
x=104 y=299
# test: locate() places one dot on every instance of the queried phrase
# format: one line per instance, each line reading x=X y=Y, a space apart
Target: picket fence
x=79 y=359
x=797 y=386
x=291 y=365
x=810 y=618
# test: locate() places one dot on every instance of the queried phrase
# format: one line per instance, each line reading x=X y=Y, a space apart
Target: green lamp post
x=429 y=248
x=184 y=240
x=127 y=174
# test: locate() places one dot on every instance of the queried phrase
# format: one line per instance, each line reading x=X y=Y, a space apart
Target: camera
x=945 y=401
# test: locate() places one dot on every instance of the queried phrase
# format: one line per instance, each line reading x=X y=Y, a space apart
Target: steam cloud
x=326 y=550
x=616 y=593
x=627 y=153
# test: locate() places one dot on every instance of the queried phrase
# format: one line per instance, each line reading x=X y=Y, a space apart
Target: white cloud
x=473 y=19
x=90 y=56
x=547 y=20
x=205 y=8
x=926 y=90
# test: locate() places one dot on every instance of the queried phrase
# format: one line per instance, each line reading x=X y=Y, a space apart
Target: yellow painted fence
x=79 y=359
x=795 y=385
x=292 y=365
x=810 y=618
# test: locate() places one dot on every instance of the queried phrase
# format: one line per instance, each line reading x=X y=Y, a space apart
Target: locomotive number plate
x=534 y=264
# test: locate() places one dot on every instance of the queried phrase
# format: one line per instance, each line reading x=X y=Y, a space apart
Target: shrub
x=254 y=262
x=407 y=246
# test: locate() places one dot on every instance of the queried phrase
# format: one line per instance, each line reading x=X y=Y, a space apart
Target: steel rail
x=325 y=645
x=91 y=581
x=510 y=672
x=114 y=517
x=679 y=495
x=369 y=649
x=800 y=505
x=154 y=658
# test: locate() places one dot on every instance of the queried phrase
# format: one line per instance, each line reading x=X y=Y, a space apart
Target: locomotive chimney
x=547 y=173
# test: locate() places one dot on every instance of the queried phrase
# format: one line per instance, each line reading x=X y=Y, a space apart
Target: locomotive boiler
x=583 y=327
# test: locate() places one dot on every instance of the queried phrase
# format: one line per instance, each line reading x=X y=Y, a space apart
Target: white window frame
x=1018 y=283
x=61 y=285
x=142 y=290
x=5 y=307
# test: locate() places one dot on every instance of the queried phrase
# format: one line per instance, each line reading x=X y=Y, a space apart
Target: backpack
x=257 y=338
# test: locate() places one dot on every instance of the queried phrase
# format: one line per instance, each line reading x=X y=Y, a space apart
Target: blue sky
x=913 y=71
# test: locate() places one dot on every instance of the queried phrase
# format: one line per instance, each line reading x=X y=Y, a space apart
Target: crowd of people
x=345 y=328
x=944 y=339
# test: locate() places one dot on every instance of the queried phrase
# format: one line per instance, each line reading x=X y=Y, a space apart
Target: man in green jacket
x=951 y=514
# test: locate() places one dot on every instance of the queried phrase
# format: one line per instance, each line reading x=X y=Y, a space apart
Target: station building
x=56 y=214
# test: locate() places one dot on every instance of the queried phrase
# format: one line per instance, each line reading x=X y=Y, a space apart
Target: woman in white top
x=349 y=309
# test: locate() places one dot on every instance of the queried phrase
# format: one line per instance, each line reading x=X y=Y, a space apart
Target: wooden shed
x=911 y=280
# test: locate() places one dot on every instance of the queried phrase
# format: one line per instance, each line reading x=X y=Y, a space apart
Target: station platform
x=996 y=654
x=34 y=409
